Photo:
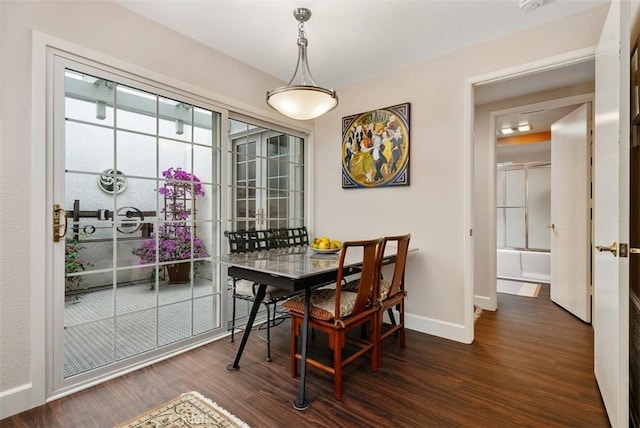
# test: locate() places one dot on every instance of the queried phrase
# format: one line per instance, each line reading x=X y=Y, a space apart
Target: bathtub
x=524 y=265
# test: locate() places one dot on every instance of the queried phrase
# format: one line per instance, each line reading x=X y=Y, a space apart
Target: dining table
x=293 y=269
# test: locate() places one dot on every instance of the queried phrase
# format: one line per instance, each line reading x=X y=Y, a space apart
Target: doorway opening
x=543 y=182
x=538 y=99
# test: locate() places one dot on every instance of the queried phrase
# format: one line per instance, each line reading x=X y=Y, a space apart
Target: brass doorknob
x=613 y=248
x=551 y=226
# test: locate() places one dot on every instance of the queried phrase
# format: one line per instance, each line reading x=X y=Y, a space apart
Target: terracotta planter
x=179 y=273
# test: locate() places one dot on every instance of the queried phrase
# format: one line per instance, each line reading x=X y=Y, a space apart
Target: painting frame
x=375 y=148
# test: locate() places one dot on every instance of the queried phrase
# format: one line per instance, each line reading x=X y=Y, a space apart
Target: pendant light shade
x=302 y=98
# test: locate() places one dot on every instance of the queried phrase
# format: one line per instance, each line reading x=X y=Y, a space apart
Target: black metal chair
x=242 y=289
x=289 y=237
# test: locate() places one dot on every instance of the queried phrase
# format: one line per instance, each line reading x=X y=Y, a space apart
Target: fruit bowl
x=324 y=245
x=325 y=251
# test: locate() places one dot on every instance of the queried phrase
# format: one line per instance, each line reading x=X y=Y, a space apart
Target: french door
x=135 y=185
x=266 y=180
x=266 y=176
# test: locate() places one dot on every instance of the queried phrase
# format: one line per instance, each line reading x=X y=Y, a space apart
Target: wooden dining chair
x=336 y=312
x=392 y=294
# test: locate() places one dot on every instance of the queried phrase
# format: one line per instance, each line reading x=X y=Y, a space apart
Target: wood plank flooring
x=531 y=365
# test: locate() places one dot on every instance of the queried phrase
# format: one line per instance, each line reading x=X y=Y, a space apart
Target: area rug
x=188 y=410
x=517 y=288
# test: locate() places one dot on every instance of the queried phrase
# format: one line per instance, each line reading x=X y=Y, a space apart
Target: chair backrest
x=246 y=241
x=369 y=274
x=402 y=244
x=297 y=236
x=289 y=237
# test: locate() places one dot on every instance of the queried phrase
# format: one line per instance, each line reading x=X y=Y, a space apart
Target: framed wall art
x=375 y=148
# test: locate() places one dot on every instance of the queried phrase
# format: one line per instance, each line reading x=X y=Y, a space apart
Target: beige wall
x=635 y=22
x=431 y=208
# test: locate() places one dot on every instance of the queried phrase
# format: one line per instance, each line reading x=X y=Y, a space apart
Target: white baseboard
x=15 y=400
x=438 y=328
x=483 y=302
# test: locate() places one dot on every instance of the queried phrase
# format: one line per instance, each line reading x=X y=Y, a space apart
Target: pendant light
x=302 y=98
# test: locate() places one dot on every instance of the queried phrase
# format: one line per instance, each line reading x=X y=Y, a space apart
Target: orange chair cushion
x=323 y=304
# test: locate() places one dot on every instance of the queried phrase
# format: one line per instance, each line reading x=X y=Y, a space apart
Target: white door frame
x=522 y=70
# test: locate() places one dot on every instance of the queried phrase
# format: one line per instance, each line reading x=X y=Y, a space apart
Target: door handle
x=551 y=226
x=634 y=250
x=613 y=249
x=58 y=214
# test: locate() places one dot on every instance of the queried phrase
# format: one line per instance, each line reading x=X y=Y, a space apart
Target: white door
x=570 y=228
x=610 y=214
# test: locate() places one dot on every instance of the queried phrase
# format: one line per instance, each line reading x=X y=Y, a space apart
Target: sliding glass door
x=136 y=194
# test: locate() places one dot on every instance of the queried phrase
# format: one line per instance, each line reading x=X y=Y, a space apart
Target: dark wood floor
x=530 y=365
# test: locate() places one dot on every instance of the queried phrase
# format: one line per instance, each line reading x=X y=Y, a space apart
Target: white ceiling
x=353 y=40
x=349 y=40
x=543 y=81
x=540 y=120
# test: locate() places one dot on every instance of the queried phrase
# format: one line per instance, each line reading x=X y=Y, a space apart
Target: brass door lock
x=58 y=215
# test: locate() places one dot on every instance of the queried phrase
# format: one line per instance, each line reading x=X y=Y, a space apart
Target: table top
x=295 y=262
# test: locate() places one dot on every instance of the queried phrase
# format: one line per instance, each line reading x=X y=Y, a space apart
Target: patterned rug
x=188 y=410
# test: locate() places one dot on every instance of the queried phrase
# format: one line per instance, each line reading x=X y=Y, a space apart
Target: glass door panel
x=140 y=188
x=523 y=206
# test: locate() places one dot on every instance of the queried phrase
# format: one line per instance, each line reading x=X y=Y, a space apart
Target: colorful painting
x=375 y=148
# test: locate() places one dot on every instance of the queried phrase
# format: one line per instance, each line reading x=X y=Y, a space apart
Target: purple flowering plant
x=174 y=238
x=174 y=243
